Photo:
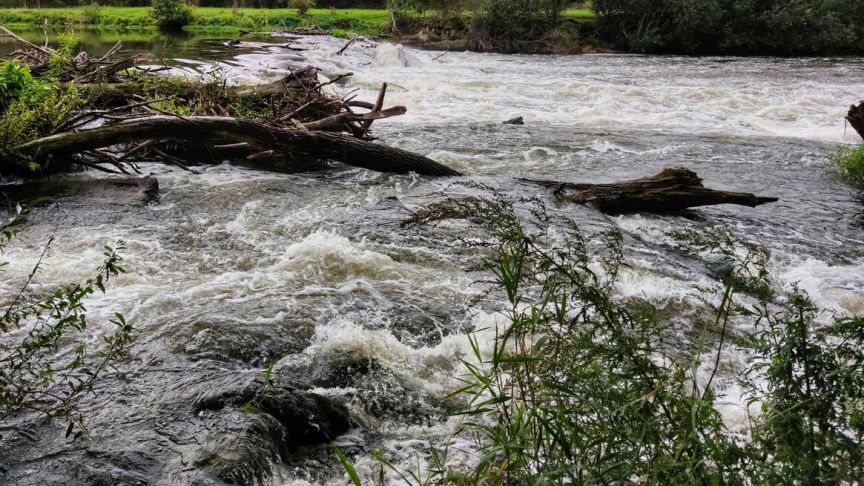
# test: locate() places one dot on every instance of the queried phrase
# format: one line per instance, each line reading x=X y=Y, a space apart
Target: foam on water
x=745 y=96
x=324 y=259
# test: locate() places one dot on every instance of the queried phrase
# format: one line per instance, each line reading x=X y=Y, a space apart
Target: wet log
x=673 y=189
x=293 y=144
x=855 y=117
x=110 y=192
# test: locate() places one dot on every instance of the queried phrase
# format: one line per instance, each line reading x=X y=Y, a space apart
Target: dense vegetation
x=781 y=27
x=496 y=25
x=583 y=387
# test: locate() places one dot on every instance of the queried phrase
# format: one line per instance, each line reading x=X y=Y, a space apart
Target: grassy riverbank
x=370 y=22
x=361 y=21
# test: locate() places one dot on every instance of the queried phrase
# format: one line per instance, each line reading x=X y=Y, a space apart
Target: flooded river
x=234 y=269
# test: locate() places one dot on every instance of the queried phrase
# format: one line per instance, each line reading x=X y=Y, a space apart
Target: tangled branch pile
x=106 y=113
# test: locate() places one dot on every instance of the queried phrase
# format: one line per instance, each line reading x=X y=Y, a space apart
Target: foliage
x=812 y=426
x=91 y=14
x=580 y=386
x=504 y=24
x=499 y=25
x=14 y=80
x=37 y=107
x=33 y=378
x=171 y=15
x=302 y=6
x=850 y=161
x=797 y=27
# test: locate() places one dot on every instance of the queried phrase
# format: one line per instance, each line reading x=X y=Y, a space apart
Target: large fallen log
x=673 y=189
x=856 y=118
x=293 y=144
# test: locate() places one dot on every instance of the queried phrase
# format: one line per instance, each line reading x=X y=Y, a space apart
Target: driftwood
x=673 y=189
x=856 y=118
x=292 y=143
x=290 y=124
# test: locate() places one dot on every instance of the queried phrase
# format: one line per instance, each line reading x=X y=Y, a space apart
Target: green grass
x=361 y=21
x=850 y=161
x=580 y=14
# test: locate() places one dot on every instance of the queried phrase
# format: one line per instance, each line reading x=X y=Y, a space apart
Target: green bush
x=171 y=15
x=14 y=80
x=812 y=426
x=30 y=108
x=850 y=161
x=302 y=6
x=91 y=14
x=506 y=24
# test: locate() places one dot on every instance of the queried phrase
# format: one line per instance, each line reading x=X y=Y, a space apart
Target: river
x=234 y=268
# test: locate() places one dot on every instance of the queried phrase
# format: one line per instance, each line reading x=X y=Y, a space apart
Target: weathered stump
x=856 y=118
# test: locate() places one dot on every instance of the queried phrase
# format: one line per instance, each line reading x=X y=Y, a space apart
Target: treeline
x=489 y=25
x=745 y=27
x=200 y=3
x=736 y=27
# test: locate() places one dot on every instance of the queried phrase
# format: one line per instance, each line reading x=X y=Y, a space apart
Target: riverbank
x=205 y=19
x=368 y=22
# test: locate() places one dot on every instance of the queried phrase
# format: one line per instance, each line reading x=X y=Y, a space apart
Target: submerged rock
x=167 y=427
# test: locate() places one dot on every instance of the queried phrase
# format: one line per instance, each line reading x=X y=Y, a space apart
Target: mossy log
x=855 y=117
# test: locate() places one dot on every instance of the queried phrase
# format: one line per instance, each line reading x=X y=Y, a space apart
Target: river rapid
x=234 y=269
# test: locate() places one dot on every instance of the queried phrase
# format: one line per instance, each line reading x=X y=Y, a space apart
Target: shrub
x=171 y=15
x=505 y=24
x=850 y=161
x=340 y=33
x=812 y=396
x=30 y=108
x=14 y=79
x=91 y=14
x=302 y=6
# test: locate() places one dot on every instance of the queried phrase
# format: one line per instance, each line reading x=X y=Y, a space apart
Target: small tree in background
x=302 y=6
x=171 y=15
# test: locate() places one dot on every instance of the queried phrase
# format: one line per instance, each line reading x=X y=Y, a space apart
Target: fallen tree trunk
x=673 y=189
x=856 y=118
x=294 y=144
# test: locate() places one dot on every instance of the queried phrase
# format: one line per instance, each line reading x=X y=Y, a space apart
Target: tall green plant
x=850 y=161
x=581 y=386
x=33 y=378
x=812 y=395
